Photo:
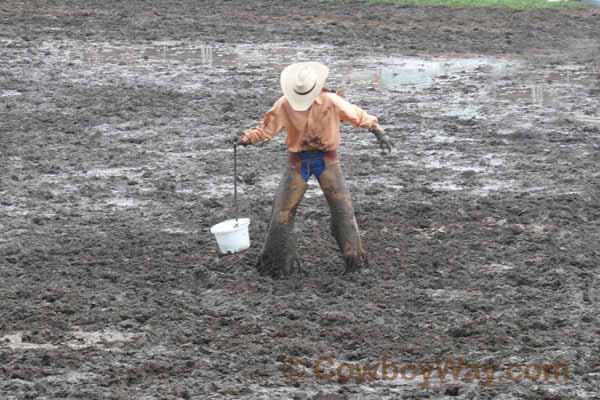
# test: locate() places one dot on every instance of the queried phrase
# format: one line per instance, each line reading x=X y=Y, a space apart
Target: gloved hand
x=382 y=138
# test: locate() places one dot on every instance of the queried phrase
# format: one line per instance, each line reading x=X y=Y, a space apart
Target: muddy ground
x=482 y=226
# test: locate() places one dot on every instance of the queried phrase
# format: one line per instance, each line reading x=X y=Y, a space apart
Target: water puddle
x=178 y=231
x=464 y=112
x=534 y=94
x=553 y=86
x=373 y=183
x=495 y=268
x=109 y=172
x=218 y=188
x=125 y=202
x=490 y=185
x=82 y=339
x=72 y=377
x=415 y=72
x=454 y=161
x=76 y=340
x=9 y=93
x=157 y=53
x=126 y=129
x=389 y=73
x=440 y=138
x=483 y=190
x=167 y=52
x=453 y=294
x=14 y=341
x=590 y=119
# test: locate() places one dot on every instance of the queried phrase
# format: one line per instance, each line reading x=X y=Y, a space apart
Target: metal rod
x=235 y=201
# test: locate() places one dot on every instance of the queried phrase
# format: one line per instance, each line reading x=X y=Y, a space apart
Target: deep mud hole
x=482 y=226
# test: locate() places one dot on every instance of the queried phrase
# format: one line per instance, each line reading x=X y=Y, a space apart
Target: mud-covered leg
x=279 y=251
x=343 y=220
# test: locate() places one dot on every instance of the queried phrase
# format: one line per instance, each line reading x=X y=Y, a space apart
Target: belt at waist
x=312 y=154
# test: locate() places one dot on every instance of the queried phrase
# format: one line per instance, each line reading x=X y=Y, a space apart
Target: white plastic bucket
x=232 y=235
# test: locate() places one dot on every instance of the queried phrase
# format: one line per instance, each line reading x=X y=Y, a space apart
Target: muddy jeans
x=279 y=252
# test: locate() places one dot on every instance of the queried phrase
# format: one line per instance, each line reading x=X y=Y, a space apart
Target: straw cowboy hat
x=302 y=82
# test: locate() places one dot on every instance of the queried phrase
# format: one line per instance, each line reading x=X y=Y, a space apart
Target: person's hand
x=382 y=138
x=239 y=140
x=243 y=141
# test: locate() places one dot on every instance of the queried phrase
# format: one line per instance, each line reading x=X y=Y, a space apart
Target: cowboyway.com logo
x=450 y=369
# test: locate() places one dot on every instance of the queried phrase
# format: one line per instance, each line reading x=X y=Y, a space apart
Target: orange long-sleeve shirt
x=317 y=128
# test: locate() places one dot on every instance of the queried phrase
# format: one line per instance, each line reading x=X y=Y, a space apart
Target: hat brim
x=288 y=79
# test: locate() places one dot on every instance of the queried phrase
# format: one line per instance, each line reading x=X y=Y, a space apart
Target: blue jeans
x=311 y=163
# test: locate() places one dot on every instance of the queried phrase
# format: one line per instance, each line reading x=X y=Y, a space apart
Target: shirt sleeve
x=272 y=123
x=353 y=114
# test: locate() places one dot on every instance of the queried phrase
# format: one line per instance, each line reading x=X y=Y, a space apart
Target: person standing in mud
x=311 y=116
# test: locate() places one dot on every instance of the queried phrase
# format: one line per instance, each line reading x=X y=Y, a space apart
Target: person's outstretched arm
x=354 y=114
x=360 y=118
x=271 y=124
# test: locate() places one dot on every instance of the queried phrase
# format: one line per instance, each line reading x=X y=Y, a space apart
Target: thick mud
x=482 y=227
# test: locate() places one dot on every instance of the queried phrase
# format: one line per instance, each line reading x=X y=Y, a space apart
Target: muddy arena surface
x=482 y=227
